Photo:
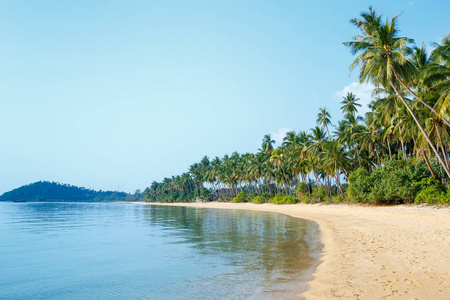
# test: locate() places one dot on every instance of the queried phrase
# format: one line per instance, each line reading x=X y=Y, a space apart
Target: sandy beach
x=373 y=252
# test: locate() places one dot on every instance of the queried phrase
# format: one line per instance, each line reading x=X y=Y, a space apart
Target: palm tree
x=436 y=77
x=318 y=139
x=267 y=144
x=290 y=138
x=383 y=60
x=350 y=104
x=324 y=119
x=335 y=159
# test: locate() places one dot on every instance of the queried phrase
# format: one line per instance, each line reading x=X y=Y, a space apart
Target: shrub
x=338 y=199
x=305 y=200
x=302 y=189
x=259 y=200
x=290 y=199
x=360 y=185
x=432 y=192
x=319 y=194
x=265 y=196
x=431 y=195
x=241 y=197
x=251 y=196
x=393 y=183
x=280 y=199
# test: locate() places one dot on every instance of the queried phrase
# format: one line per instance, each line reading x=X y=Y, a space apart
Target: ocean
x=132 y=251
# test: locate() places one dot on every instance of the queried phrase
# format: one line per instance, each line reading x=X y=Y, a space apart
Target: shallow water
x=132 y=251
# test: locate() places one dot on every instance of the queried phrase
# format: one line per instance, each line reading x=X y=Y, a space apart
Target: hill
x=54 y=191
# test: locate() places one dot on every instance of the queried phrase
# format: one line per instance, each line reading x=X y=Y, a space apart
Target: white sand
x=373 y=252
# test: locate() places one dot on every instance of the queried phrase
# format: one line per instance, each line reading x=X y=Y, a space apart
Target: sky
x=112 y=95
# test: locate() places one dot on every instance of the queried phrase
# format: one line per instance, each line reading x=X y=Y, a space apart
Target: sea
x=66 y=250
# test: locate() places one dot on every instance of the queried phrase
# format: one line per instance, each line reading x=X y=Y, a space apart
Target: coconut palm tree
x=290 y=139
x=267 y=144
x=350 y=104
x=324 y=119
x=335 y=159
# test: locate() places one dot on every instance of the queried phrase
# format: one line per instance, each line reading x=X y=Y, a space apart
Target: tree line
x=55 y=191
x=405 y=134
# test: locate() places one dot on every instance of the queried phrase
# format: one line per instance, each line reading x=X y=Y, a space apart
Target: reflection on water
x=118 y=251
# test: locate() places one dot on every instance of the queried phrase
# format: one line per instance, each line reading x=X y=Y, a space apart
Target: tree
x=267 y=144
x=383 y=60
x=324 y=119
x=350 y=104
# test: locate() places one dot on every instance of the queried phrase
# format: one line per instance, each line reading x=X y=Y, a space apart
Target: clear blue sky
x=115 y=94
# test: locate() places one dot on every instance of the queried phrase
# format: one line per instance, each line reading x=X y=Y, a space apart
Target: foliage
x=54 y=191
x=241 y=197
x=432 y=195
x=282 y=199
x=290 y=199
x=302 y=189
x=360 y=185
x=305 y=200
x=319 y=194
x=259 y=200
x=398 y=181
x=432 y=192
x=339 y=199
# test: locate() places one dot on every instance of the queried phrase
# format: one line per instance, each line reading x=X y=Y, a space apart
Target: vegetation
x=397 y=153
x=53 y=191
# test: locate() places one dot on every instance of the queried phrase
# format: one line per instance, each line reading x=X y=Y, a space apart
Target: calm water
x=132 y=251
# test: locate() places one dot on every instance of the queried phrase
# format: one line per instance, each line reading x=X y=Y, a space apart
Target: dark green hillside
x=54 y=191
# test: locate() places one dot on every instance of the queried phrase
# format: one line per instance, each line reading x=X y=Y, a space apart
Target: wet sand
x=395 y=252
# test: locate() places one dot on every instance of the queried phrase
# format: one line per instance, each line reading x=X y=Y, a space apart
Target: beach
x=397 y=252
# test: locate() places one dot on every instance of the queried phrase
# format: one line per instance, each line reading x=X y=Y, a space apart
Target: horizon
x=114 y=95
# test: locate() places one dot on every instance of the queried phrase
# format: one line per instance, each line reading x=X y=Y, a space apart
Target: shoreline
x=396 y=252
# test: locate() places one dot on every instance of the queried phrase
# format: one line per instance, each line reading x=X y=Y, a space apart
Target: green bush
x=241 y=197
x=319 y=194
x=302 y=189
x=431 y=195
x=266 y=196
x=305 y=200
x=360 y=186
x=393 y=183
x=259 y=200
x=290 y=199
x=432 y=192
x=281 y=199
x=278 y=199
x=251 y=196
x=339 y=199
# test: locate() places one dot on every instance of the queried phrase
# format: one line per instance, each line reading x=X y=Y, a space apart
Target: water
x=132 y=251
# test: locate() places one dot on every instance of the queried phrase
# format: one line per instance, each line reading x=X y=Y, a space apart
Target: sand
x=373 y=252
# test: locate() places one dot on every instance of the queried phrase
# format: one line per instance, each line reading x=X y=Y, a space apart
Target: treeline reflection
x=256 y=240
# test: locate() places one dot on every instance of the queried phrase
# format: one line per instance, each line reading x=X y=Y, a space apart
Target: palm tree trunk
x=329 y=135
x=445 y=156
x=319 y=184
x=357 y=153
x=427 y=162
x=447 y=171
x=403 y=144
x=389 y=147
x=338 y=181
x=442 y=146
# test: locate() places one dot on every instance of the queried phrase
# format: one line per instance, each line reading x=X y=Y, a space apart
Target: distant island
x=57 y=192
